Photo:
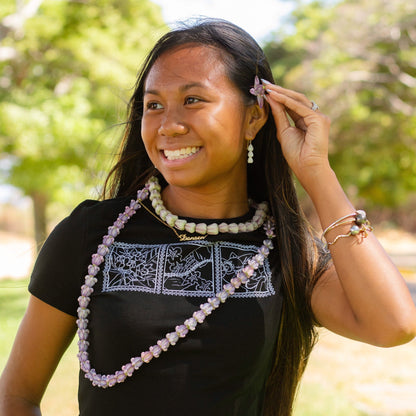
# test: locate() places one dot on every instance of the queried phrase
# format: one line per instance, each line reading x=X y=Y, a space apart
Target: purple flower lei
x=171 y=338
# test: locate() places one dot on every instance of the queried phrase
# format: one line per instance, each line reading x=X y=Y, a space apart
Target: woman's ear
x=256 y=119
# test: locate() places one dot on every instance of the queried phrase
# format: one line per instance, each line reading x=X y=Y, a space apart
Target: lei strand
x=171 y=338
x=174 y=222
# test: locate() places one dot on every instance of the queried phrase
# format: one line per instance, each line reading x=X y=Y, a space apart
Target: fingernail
x=264 y=81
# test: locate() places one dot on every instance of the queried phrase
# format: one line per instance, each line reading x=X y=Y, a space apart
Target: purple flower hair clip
x=259 y=91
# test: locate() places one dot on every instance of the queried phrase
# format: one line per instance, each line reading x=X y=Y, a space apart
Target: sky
x=257 y=17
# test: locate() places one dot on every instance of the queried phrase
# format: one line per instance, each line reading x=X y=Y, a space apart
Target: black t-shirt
x=149 y=283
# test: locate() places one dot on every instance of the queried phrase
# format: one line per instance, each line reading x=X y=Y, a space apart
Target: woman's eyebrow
x=192 y=85
x=183 y=88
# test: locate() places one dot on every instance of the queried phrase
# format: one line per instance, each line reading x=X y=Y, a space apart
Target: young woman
x=197 y=284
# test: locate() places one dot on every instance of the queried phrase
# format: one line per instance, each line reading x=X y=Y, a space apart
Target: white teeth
x=180 y=153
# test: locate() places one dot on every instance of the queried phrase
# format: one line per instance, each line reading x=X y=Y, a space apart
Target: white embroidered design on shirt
x=196 y=268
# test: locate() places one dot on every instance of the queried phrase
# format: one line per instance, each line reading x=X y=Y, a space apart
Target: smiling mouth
x=180 y=153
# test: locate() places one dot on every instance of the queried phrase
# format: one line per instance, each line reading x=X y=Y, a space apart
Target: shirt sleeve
x=62 y=263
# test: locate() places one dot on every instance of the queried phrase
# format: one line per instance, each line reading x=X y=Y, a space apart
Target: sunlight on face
x=194 y=120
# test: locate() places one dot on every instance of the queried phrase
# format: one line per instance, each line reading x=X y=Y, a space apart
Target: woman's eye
x=191 y=100
x=153 y=106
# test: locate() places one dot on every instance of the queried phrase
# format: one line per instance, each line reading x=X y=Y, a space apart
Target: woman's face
x=194 y=122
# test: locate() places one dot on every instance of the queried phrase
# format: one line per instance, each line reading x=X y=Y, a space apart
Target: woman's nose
x=172 y=125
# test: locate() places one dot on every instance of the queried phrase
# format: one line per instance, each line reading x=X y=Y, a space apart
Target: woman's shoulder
x=102 y=206
x=94 y=209
x=89 y=215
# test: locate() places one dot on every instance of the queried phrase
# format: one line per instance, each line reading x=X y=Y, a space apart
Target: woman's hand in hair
x=302 y=132
x=363 y=296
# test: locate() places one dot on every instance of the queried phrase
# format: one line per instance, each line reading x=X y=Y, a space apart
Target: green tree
x=66 y=68
x=357 y=60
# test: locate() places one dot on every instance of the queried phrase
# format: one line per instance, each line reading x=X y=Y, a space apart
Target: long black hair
x=269 y=178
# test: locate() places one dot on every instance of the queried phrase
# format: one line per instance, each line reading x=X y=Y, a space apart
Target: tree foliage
x=358 y=61
x=66 y=68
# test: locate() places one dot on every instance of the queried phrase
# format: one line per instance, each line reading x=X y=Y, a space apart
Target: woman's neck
x=214 y=204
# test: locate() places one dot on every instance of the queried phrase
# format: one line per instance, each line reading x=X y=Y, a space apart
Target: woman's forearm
x=376 y=291
x=16 y=406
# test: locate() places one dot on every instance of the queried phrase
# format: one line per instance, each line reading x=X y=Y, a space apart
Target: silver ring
x=314 y=106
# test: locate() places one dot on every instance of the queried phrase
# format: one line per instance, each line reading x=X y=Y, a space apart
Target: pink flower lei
x=171 y=338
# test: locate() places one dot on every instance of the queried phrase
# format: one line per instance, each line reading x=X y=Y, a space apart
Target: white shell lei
x=171 y=338
x=201 y=228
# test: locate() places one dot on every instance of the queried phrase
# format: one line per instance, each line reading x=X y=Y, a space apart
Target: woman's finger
x=298 y=111
x=301 y=98
x=279 y=113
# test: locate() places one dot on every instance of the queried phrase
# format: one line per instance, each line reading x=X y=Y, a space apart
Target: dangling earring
x=250 y=152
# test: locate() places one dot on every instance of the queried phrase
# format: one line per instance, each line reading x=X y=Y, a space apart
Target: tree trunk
x=40 y=202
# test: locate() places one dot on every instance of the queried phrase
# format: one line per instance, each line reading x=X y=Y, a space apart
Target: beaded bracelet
x=360 y=225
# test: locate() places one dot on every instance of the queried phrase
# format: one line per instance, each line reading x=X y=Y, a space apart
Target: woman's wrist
x=314 y=179
x=327 y=195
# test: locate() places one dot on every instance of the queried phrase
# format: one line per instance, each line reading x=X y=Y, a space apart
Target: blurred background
x=67 y=69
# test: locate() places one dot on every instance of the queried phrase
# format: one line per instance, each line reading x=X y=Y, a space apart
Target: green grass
x=13 y=301
x=61 y=396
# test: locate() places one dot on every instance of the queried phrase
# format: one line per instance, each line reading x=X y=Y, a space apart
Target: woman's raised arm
x=363 y=296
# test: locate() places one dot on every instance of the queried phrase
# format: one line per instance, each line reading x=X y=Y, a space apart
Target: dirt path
x=377 y=381
x=401 y=247
x=17 y=254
